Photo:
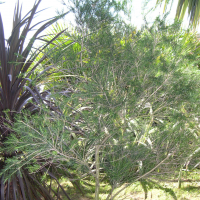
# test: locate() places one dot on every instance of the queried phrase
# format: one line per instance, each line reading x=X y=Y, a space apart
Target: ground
x=157 y=190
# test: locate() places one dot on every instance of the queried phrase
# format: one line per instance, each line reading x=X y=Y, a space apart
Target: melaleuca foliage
x=136 y=95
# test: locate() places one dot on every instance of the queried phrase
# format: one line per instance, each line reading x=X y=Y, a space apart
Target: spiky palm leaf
x=16 y=89
x=193 y=7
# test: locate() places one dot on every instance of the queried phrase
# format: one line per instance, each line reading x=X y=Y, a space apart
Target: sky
x=7 y=8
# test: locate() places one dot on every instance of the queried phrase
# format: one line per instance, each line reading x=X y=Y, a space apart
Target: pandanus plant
x=17 y=66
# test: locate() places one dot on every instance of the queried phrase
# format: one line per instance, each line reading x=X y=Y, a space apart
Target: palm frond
x=18 y=92
x=191 y=6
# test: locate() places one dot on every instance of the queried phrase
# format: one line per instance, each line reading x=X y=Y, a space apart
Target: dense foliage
x=126 y=105
x=131 y=99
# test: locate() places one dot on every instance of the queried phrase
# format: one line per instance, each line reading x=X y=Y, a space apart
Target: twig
x=127 y=185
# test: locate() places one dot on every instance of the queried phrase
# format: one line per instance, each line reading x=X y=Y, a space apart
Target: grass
x=157 y=190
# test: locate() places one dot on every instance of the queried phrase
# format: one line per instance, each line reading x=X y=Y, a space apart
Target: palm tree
x=18 y=91
x=193 y=7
